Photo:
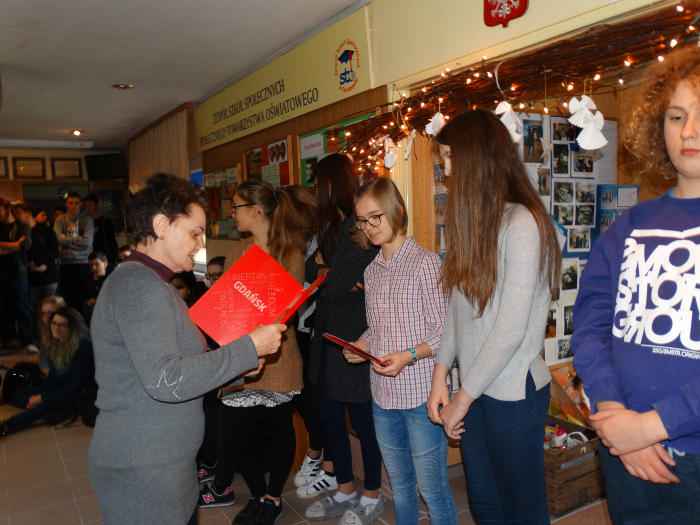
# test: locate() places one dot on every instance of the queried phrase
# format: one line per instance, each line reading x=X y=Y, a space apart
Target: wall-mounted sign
x=324 y=69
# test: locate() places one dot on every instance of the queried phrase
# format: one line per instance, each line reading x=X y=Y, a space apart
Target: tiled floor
x=43 y=479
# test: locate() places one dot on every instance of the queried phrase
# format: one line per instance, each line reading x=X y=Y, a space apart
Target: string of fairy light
x=601 y=60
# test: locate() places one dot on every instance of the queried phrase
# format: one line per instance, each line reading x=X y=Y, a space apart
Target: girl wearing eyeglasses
x=257 y=433
x=406 y=310
x=71 y=368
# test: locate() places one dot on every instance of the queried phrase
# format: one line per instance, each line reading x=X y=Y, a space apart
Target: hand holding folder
x=255 y=291
x=346 y=345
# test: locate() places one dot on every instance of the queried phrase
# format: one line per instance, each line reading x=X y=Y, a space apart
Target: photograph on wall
x=578 y=239
x=607 y=218
x=564 y=214
x=567 y=315
x=563 y=192
x=560 y=159
x=564 y=349
x=569 y=274
x=585 y=192
x=551 y=328
x=533 y=150
x=608 y=196
x=585 y=215
x=544 y=182
x=583 y=164
x=562 y=130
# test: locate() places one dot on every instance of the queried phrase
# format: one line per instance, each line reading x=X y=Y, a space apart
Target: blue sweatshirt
x=636 y=325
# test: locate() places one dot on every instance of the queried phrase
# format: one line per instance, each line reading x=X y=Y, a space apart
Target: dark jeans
x=632 y=501
x=50 y=414
x=308 y=403
x=503 y=459
x=258 y=440
x=74 y=284
x=338 y=443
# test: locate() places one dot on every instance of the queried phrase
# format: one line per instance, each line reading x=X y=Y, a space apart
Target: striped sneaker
x=307 y=472
x=319 y=484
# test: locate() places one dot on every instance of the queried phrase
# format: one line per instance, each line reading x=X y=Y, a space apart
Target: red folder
x=256 y=290
x=352 y=348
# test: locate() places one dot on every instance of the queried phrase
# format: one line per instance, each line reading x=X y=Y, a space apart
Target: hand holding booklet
x=346 y=345
x=255 y=291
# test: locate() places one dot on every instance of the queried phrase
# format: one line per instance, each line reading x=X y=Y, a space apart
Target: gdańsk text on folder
x=256 y=290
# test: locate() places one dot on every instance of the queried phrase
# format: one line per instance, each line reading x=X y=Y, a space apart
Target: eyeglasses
x=372 y=220
x=236 y=206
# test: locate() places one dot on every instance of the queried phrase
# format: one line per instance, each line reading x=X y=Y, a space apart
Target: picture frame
x=67 y=168
x=4 y=168
x=29 y=168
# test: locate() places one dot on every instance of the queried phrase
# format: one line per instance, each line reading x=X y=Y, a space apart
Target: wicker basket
x=572 y=475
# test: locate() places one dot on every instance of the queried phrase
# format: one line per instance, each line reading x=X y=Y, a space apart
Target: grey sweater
x=151 y=368
x=74 y=238
x=496 y=351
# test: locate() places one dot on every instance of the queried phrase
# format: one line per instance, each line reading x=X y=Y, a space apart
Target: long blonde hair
x=61 y=353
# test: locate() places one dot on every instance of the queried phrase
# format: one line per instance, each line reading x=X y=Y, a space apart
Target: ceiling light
x=77 y=132
x=673 y=42
x=660 y=58
x=596 y=77
x=123 y=86
x=680 y=8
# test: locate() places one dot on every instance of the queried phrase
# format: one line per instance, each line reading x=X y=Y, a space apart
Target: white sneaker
x=320 y=484
x=32 y=348
x=307 y=472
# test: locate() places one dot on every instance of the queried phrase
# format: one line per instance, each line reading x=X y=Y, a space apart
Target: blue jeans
x=503 y=455
x=633 y=501
x=415 y=454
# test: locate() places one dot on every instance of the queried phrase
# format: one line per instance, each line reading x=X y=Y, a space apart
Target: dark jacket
x=63 y=387
x=105 y=240
x=44 y=250
x=340 y=310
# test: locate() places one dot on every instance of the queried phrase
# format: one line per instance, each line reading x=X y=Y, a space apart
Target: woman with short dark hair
x=152 y=368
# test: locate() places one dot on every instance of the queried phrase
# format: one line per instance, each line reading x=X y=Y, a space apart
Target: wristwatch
x=414 y=356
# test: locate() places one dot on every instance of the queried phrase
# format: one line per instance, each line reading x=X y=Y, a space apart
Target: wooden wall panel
x=423 y=199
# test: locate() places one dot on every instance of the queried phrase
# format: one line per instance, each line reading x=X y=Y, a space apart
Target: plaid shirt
x=405 y=307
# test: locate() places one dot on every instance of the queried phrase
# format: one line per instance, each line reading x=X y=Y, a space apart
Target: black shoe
x=249 y=513
x=269 y=512
x=209 y=498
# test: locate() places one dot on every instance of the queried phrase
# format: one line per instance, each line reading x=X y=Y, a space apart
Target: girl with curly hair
x=637 y=337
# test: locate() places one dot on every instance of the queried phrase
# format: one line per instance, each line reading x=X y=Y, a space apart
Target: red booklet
x=256 y=290
x=352 y=348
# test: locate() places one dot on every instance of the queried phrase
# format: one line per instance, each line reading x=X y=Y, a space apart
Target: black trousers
x=208 y=452
x=337 y=440
x=74 y=284
x=308 y=403
x=256 y=440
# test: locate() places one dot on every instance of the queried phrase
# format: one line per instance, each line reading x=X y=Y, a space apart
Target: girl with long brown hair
x=70 y=370
x=257 y=433
x=501 y=271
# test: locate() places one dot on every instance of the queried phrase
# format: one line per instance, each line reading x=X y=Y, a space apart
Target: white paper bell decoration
x=409 y=145
x=584 y=115
x=503 y=107
x=436 y=124
x=591 y=137
x=390 y=159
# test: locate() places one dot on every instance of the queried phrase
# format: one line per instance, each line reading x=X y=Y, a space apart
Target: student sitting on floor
x=71 y=370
